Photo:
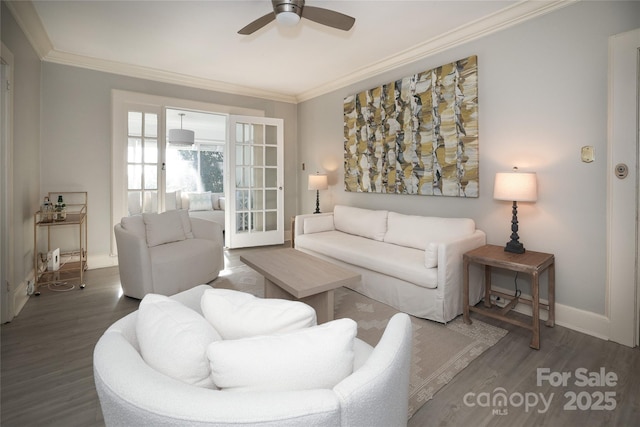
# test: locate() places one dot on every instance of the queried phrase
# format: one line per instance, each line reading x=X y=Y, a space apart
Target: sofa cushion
x=200 y=201
x=318 y=224
x=361 y=222
x=418 y=231
x=397 y=261
x=237 y=314
x=163 y=228
x=173 y=339
x=310 y=358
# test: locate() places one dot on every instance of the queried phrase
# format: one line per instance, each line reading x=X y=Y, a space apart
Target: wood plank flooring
x=47 y=374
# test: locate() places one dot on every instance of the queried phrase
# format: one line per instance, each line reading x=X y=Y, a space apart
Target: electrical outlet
x=496 y=300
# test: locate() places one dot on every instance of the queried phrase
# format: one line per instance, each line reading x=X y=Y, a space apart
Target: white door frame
x=622 y=196
x=8 y=287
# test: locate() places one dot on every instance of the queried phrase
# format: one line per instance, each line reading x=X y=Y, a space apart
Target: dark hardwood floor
x=47 y=374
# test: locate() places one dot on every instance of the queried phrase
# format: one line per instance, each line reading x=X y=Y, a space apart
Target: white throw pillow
x=200 y=201
x=186 y=223
x=417 y=232
x=237 y=314
x=312 y=358
x=318 y=224
x=361 y=222
x=173 y=340
x=163 y=228
x=221 y=203
x=172 y=200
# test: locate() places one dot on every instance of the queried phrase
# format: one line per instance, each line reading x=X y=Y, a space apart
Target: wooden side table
x=530 y=262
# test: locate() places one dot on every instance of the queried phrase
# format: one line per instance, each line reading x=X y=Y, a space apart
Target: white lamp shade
x=318 y=182
x=516 y=187
x=181 y=137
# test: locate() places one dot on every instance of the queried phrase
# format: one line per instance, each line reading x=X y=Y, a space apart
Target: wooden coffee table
x=294 y=275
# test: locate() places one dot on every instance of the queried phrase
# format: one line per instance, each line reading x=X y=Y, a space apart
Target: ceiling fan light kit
x=288 y=13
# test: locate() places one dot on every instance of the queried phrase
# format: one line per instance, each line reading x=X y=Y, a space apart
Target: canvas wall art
x=417 y=135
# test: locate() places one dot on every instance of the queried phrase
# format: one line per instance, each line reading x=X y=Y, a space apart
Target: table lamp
x=515 y=187
x=318 y=182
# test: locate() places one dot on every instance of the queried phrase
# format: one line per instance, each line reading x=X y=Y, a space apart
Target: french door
x=255 y=185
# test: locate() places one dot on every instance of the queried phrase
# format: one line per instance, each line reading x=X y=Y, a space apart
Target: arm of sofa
x=365 y=396
x=450 y=274
x=134 y=263
x=205 y=229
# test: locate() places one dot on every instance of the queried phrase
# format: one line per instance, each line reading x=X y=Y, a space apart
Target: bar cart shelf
x=73 y=262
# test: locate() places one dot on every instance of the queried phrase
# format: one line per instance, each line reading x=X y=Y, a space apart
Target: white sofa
x=412 y=263
x=167 y=253
x=132 y=393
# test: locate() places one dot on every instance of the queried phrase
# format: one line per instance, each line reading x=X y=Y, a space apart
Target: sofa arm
x=205 y=229
x=377 y=394
x=450 y=273
x=134 y=263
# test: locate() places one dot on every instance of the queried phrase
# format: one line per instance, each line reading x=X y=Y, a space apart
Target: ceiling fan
x=289 y=12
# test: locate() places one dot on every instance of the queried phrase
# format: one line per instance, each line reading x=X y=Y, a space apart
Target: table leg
x=535 y=306
x=487 y=286
x=322 y=303
x=552 y=295
x=465 y=291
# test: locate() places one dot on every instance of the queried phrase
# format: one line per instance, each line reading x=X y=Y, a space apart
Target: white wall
x=76 y=138
x=542 y=96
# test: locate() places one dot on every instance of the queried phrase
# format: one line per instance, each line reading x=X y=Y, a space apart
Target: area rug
x=439 y=352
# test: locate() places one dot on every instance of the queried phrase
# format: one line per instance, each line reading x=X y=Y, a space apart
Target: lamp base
x=317 y=202
x=514 y=247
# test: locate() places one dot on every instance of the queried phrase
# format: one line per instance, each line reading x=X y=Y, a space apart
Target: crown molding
x=96 y=64
x=27 y=18
x=505 y=18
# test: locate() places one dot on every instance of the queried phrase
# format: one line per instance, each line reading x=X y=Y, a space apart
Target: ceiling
x=195 y=43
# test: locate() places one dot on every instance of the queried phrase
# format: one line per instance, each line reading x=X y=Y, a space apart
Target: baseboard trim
x=596 y=325
x=101 y=261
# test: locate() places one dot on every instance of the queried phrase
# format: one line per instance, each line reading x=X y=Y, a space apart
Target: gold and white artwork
x=417 y=135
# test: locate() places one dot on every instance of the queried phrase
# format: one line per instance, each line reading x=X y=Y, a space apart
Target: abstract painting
x=417 y=135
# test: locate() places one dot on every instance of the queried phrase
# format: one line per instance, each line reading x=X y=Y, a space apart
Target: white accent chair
x=167 y=253
x=133 y=393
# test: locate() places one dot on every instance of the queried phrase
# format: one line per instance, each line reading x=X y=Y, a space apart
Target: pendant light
x=181 y=137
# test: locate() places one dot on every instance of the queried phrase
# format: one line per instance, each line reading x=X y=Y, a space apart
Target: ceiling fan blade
x=257 y=24
x=328 y=17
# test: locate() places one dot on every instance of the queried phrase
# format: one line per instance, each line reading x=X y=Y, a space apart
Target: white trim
x=28 y=19
x=622 y=194
x=589 y=323
x=8 y=306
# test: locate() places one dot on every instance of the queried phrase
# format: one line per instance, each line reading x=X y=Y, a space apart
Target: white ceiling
x=196 y=42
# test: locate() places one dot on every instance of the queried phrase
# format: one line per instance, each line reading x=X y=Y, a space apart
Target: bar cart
x=54 y=228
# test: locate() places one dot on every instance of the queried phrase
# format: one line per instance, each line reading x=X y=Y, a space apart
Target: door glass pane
x=134 y=125
x=257 y=175
x=258 y=134
x=134 y=151
x=151 y=151
x=151 y=125
x=271 y=199
x=257 y=199
x=271 y=178
x=134 y=177
x=258 y=221
x=271 y=135
x=271 y=221
x=150 y=177
x=271 y=156
x=258 y=158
